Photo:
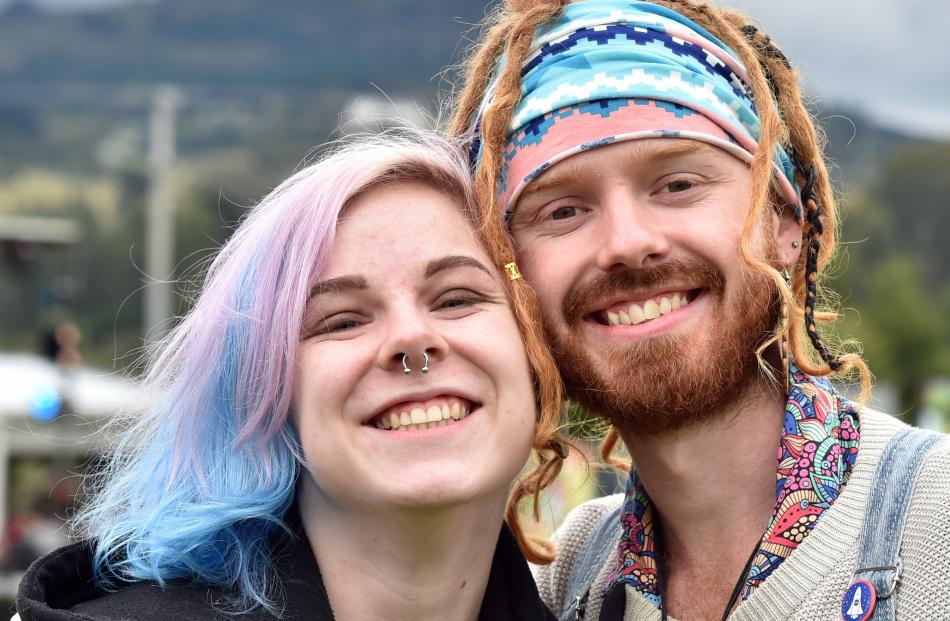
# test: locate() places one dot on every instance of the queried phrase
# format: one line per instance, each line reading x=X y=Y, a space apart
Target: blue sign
x=45 y=404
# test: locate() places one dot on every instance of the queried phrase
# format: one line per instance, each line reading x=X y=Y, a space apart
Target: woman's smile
x=416 y=415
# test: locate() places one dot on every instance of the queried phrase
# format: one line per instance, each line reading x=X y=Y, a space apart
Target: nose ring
x=407 y=369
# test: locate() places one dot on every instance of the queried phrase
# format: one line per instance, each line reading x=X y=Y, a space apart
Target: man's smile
x=639 y=310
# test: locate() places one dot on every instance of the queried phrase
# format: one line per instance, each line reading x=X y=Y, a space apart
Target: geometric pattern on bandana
x=600 y=111
x=600 y=50
x=558 y=135
x=816 y=456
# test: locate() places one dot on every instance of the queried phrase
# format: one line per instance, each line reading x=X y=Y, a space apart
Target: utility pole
x=160 y=214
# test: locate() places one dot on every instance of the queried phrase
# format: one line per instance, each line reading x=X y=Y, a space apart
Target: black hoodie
x=59 y=587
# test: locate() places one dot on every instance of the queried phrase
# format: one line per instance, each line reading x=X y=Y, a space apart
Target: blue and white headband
x=608 y=71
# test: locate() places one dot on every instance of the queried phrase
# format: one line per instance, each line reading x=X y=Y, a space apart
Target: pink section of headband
x=572 y=132
x=580 y=131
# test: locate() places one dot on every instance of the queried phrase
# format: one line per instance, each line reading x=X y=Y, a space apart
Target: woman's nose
x=413 y=342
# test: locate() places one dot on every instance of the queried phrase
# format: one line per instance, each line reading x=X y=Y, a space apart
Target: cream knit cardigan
x=810 y=584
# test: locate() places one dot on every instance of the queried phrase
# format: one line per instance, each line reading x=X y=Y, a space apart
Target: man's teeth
x=651 y=309
x=419 y=418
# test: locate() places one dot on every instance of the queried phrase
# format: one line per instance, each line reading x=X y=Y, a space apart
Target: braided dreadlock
x=784 y=120
x=817 y=202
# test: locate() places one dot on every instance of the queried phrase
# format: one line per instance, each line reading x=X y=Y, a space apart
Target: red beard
x=668 y=382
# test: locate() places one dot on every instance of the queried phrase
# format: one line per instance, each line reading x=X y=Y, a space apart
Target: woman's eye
x=341 y=325
x=454 y=303
x=332 y=325
x=458 y=300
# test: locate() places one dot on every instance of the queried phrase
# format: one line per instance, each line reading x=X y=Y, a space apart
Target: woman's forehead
x=392 y=228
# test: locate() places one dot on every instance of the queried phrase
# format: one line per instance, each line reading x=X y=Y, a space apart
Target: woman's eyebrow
x=335 y=285
x=453 y=262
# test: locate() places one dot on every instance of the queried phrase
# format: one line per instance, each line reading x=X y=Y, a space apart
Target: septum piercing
x=405 y=363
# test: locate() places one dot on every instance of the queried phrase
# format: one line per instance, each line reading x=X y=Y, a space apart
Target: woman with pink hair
x=333 y=430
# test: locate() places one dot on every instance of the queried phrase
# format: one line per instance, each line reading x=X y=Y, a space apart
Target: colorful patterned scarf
x=815 y=458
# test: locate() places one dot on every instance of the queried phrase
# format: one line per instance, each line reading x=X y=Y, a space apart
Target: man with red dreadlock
x=667 y=199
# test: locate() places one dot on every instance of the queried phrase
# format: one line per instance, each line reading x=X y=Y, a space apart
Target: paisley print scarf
x=816 y=455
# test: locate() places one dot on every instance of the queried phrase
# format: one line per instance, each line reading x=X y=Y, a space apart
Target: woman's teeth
x=635 y=314
x=417 y=418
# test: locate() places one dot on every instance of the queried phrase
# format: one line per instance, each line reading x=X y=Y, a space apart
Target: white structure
x=28 y=385
x=160 y=213
x=371 y=113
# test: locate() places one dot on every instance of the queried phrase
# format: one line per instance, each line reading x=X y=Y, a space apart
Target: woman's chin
x=421 y=489
x=382 y=471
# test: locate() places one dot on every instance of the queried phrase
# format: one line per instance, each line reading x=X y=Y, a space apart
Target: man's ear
x=788 y=235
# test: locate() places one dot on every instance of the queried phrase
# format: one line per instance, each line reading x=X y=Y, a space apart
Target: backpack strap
x=604 y=537
x=879 y=561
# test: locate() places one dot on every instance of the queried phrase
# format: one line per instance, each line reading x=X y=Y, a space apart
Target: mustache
x=585 y=295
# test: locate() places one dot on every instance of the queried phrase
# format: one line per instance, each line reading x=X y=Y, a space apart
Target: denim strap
x=879 y=559
x=596 y=550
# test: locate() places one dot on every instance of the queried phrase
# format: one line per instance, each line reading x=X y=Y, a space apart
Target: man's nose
x=631 y=234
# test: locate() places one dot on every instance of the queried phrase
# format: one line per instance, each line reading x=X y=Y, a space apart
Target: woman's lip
x=652 y=327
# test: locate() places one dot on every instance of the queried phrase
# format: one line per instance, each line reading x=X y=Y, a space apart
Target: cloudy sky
x=887 y=58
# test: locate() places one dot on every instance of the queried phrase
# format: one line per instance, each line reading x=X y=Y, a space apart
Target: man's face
x=634 y=250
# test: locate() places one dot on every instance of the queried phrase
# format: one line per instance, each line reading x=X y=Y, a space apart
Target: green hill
x=399 y=44
x=243 y=55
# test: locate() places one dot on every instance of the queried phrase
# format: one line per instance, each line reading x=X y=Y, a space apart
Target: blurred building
x=53 y=429
x=372 y=112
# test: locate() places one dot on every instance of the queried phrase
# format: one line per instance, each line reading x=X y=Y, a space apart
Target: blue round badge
x=859 y=601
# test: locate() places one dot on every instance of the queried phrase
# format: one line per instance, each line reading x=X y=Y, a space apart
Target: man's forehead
x=631 y=152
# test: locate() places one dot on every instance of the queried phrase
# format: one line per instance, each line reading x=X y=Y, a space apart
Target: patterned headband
x=612 y=70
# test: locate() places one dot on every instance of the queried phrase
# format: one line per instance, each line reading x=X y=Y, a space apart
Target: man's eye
x=557 y=217
x=679 y=185
x=562 y=213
